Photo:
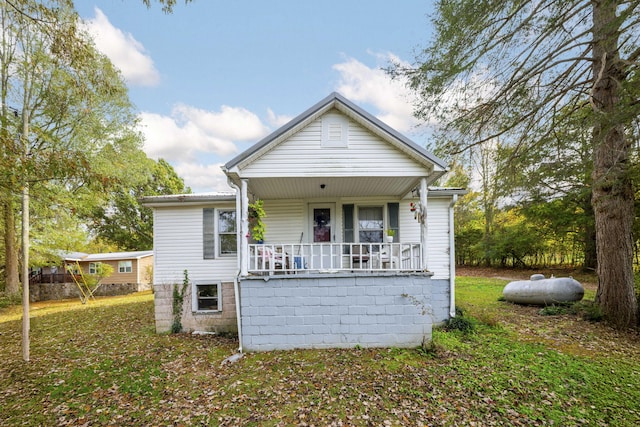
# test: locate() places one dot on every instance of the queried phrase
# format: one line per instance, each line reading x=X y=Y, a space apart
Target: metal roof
x=177 y=199
x=109 y=256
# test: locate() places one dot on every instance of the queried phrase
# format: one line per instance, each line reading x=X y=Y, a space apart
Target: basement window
x=207 y=297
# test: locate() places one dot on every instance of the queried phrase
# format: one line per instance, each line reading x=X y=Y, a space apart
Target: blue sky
x=216 y=76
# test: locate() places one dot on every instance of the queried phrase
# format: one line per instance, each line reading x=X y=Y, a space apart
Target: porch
x=40 y=277
x=304 y=258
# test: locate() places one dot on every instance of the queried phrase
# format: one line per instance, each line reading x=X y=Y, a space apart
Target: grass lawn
x=103 y=364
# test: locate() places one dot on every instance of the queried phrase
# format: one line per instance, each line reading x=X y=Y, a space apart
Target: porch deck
x=39 y=278
x=301 y=258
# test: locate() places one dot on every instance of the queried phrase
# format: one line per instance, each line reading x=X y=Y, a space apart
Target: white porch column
x=423 y=223
x=244 y=229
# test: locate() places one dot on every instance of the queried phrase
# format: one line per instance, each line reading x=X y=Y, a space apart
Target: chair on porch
x=359 y=255
x=389 y=258
x=272 y=259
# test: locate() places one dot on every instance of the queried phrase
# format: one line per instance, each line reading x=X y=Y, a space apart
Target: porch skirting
x=341 y=310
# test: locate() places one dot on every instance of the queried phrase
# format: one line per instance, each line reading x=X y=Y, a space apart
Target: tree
x=8 y=135
x=518 y=69
x=167 y=5
x=73 y=108
x=124 y=221
x=557 y=175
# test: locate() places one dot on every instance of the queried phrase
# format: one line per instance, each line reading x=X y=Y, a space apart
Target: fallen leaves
x=104 y=365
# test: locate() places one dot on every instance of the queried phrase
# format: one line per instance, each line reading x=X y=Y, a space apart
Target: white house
x=333 y=181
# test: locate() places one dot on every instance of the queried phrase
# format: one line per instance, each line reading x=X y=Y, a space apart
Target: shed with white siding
x=332 y=182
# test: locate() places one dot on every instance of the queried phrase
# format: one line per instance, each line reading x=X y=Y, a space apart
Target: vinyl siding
x=303 y=154
x=121 y=278
x=142 y=265
x=178 y=244
x=285 y=221
x=437 y=237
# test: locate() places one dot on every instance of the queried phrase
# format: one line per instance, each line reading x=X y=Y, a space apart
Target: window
x=393 y=220
x=125 y=267
x=370 y=224
x=207 y=297
x=93 y=267
x=227 y=236
x=219 y=235
x=348 y=234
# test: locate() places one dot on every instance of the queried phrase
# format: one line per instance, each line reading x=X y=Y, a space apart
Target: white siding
x=285 y=220
x=178 y=236
x=178 y=247
x=303 y=154
x=438 y=237
x=438 y=233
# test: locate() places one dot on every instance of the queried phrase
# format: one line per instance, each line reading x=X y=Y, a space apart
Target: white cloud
x=276 y=120
x=231 y=123
x=126 y=53
x=374 y=86
x=203 y=178
x=190 y=132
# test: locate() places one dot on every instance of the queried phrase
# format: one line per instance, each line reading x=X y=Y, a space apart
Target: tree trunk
x=589 y=236
x=12 y=285
x=612 y=196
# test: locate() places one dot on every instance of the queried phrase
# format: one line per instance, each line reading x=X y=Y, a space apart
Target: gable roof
x=335 y=100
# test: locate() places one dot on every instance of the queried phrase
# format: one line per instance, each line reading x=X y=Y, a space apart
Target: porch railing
x=39 y=277
x=299 y=258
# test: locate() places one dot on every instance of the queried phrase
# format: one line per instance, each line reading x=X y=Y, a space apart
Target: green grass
x=103 y=364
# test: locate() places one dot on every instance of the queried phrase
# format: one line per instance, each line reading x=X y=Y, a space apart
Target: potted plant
x=256 y=225
x=390 y=234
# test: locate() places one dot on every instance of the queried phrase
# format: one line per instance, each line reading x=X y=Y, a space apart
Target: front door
x=322 y=230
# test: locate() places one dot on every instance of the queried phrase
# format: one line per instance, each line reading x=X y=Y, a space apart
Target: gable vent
x=335 y=131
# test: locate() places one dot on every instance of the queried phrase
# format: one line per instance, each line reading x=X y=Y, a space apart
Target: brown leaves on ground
x=566 y=333
x=103 y=364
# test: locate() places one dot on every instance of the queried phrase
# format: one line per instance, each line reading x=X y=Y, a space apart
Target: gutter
x=236 y=278
x=452 y=260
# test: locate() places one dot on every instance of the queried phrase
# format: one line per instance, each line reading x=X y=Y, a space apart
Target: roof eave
x=186 y=199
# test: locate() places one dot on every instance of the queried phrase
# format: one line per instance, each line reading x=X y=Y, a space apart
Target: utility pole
x=26 y=321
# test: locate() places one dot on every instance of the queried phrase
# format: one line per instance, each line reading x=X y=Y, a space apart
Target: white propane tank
x=541 y=291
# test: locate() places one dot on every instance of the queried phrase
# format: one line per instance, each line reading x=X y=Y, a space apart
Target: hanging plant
x=416 y=208
x=256 y=225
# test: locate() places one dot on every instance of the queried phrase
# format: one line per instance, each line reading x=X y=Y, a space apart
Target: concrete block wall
x=321 y=311
x=163 y=306
x=222 y=321
x=441 y=300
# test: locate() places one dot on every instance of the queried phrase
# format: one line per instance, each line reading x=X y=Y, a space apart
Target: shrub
x=8 y=300
x=460 y=323
x=555 y=310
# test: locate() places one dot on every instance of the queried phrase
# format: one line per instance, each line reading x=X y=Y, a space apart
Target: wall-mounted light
x=322 y=186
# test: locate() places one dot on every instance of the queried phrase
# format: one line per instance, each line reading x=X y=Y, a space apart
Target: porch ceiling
x=311 y=188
